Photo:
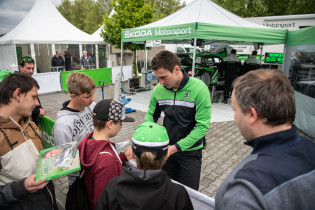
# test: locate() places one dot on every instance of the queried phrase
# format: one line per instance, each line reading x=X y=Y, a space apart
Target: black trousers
x=228 y=87
x=185 y=167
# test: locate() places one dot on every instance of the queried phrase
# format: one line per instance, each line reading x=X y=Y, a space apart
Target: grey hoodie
x=72 y=125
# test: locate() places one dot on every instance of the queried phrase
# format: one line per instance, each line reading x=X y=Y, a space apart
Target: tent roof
x=44 y=24
x=97 y=33
x=205 y=20
x=203 y=11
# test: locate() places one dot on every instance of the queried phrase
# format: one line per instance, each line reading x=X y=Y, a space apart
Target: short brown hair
x=100 y=124
x=79 y=83
x=13 y=82
x=147 y=161
x=165 y=59
x=269 y=92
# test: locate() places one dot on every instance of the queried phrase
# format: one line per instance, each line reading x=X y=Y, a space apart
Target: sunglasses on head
x=27 y=60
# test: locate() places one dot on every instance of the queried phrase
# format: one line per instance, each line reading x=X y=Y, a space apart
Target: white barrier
x=127 y=72
x=199 y=200
x=48 y=82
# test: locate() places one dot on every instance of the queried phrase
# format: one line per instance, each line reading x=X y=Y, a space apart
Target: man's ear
x=16 y=94
x=177 y=69
x=253 y=115
x=72 y=96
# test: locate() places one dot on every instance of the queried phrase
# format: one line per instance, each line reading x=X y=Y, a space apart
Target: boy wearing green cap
x=147 y=186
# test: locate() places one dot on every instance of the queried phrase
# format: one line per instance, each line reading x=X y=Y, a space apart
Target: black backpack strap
x=6 y=137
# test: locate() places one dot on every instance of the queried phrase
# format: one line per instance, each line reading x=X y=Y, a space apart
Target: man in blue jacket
x=280 y=171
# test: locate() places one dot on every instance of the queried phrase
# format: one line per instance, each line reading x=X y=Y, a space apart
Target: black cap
x=109 y=109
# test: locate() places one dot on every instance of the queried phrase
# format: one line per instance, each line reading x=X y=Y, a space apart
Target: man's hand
x=42 y=112
x=171 y=150
x=32 y=186
x=129 y=153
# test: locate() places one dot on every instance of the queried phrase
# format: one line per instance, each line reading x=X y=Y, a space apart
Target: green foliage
x=86 y=15
x=301 y=7
x=128 y=14
x=256 y=8
x=162 y=8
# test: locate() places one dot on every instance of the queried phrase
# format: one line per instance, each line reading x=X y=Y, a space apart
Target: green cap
x=150 y=137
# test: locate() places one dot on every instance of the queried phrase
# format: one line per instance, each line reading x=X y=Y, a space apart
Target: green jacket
x=187 y=112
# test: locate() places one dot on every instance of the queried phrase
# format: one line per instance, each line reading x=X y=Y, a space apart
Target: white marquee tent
x=43 y=25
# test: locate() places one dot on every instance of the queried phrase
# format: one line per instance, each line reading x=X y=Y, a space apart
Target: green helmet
x=150 y=137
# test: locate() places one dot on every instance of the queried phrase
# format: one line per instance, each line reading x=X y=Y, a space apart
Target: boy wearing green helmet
x=147 y=186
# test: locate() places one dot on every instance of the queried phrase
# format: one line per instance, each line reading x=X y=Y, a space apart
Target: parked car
x=207 y=67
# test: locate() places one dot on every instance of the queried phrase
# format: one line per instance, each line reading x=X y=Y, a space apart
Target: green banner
x=241 y=34
x=301 y=37
x=4 y=74
x=45 y=126
x=96 y=74
x=183 y=31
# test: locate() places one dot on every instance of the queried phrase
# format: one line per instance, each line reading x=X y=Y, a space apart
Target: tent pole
x=283 y=58
x=15 y=55
x=121 y=68
x=97 y=58
x=194 y=58
x=146 y=59
x=261 y=50
x=80 y=51
x=33 y=56
x=53 y=49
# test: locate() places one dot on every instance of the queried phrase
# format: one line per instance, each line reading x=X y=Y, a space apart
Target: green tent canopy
x=301 y=37
x=203 y=19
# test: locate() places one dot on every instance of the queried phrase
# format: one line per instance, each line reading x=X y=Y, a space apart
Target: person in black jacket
x=68 y=60
x=232 y=67
x=57 y=61
x=27 y=66
x=147 y=186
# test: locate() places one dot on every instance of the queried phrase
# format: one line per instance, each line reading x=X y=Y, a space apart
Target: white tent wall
x=6 y=52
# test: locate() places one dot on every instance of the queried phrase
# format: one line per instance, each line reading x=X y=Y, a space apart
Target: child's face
x=116 y=128
x=85 y=99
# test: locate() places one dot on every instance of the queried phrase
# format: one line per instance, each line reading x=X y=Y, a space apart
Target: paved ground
x=224 y=150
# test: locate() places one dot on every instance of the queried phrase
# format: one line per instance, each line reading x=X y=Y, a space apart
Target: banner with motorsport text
x=45 y=126
x=182 y=31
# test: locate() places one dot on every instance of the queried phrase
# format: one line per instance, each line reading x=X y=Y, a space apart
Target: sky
x=13 y=11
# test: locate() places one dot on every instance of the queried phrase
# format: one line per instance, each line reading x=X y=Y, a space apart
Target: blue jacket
x=278 y=174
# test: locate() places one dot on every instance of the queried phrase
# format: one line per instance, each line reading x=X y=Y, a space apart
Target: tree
x=301 y=7
x=128 y=14
x=256 y=8
x=87 y=15
x=162 y=8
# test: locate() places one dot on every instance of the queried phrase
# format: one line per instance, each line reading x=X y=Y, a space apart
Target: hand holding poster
x=58 y=161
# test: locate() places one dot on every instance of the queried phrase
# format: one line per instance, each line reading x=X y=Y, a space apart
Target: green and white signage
x=184 y=31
